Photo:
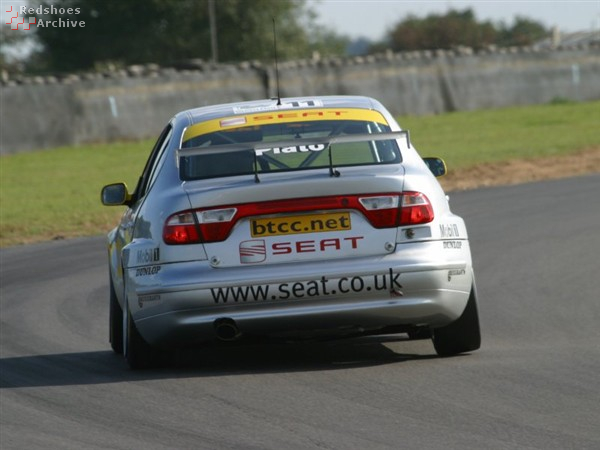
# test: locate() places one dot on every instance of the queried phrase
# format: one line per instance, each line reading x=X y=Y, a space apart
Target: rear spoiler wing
x=314 y=144
x=262 y=145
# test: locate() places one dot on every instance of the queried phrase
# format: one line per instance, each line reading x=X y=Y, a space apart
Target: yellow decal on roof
x=271 y=117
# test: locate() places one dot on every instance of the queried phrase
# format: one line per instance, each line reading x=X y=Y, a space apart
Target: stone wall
x=43 y=112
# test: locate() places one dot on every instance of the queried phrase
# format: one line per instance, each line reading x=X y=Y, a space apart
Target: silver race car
x=287 y=218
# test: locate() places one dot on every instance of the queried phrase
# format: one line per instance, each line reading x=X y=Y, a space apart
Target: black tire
x=462 y=335
x=419 y=333
x=115 y=322
x=138 y=353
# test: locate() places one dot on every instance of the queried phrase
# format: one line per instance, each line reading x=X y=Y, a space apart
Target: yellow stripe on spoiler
x=286 y=116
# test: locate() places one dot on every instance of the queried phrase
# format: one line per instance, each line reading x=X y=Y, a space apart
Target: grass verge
x=469 y=138
x=55 y=194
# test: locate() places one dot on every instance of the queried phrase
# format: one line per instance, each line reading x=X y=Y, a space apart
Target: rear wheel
x=138 y=353
x=115 y=321
x=462 y=335
x=419 y=333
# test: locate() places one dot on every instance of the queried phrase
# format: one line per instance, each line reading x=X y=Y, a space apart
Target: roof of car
x=232 y=109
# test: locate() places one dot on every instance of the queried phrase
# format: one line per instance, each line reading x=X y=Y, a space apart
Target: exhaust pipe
x=226 y=329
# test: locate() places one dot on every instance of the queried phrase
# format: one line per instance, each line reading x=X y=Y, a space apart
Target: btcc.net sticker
x=313 y=223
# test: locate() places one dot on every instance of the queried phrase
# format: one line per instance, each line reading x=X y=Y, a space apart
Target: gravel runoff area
x=523 y=170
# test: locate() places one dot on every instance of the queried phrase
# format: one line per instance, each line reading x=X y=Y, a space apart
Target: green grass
x=464 y=139
x=56 y=193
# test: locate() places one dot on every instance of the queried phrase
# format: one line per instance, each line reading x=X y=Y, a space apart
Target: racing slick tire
x=462 y=335
x=419 y=334
x=115 y=321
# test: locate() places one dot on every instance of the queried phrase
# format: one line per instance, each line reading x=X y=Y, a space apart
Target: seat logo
x=254 y=251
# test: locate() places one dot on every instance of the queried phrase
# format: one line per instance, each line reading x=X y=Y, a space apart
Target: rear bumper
x=179 y=303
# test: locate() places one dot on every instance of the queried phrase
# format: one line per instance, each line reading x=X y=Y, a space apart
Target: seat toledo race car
x=287 y=218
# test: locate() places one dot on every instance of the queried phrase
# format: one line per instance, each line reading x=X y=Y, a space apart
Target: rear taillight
x=381 y=210
x=415 y=209
x=394 y=210
x=181 y=228
x=215 y=224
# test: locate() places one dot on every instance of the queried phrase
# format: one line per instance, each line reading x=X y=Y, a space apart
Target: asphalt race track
x=535 y=384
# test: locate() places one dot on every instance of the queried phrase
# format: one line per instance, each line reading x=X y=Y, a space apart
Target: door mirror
x=437 y=166
x=115 y=195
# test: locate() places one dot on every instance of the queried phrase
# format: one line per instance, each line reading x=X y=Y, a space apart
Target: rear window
x=285 y=146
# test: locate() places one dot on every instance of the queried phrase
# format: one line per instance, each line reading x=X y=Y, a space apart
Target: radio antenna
x=276 y=67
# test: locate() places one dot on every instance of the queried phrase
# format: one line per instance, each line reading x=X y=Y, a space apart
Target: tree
x=442 y=32
x=460 y=28
x=12 y=44
x=167 y=31
x=522 y=32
